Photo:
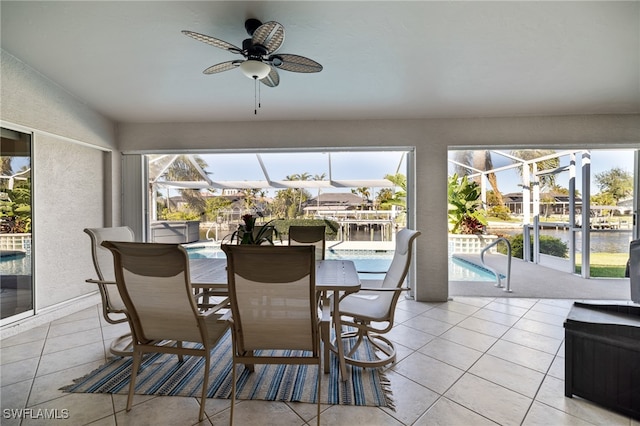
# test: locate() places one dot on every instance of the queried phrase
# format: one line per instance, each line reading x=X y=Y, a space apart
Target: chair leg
x=250 y=367
x=137 y=356
x=179 y=346
x=233 y=388
x=378 y=342
x=205 y=383
x=320 y=374
x=326 y=342
x=122 y=346
x=359 y=333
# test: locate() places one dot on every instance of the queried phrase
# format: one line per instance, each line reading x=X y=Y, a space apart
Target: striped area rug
x=163 y=374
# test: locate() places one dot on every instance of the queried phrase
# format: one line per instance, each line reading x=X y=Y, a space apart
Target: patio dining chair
x=370 y=312
x=154 y=282
x=304 y=235
x=113 y=309
x=272 y=294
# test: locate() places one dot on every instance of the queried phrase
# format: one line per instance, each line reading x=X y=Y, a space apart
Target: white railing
x=15 y=242
x=495 y=272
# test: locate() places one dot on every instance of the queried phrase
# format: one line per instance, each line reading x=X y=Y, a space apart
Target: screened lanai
x=276 y=170
x=585 y=198
x=341 y=184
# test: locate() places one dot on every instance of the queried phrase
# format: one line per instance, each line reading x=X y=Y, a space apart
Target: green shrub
x=465 y=212
x=500 y=212
x=331 y=231
x=548 y=245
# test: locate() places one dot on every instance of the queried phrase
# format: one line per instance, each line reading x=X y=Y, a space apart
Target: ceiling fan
x=260 y=60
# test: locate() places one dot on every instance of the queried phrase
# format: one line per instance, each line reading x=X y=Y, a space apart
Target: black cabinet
x=602 y=356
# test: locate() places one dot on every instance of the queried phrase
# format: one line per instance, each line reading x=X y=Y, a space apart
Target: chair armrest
x=224 y=304
x=93 y=281
x=373 y=290
x=220 y=305
x=226 y=317
x=383 y=289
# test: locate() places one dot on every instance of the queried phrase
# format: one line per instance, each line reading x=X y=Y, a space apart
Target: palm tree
x=5 y=166
x=399 y=196
x=384 y=198
x=546 y=181
x=249 y=197
x=302 y=194
x=364 y=193
x=317 y=178
x=479 y=160
x=182 y=169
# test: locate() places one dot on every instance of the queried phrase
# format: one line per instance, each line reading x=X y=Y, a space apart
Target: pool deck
x=529 y=280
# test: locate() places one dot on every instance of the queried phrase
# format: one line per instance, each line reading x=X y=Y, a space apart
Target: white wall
x=76 y=181
x=432 y=139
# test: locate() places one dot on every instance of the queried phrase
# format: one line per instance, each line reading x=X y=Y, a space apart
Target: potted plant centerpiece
x=250 y=233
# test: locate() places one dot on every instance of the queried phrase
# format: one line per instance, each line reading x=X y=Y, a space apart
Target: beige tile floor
x=470 y=361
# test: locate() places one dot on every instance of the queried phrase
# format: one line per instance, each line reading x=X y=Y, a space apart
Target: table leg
x=326 y=336
x=337 y=323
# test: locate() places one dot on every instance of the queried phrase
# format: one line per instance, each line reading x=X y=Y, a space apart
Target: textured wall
x=75 y=185
x=31 y=100
x=68 y=198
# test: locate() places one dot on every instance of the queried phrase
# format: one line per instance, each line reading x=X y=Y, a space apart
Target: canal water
x=615 y=241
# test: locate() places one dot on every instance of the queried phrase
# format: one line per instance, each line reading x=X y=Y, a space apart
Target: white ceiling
x=129 y=61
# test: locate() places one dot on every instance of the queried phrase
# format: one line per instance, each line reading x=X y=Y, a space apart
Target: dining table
x=333 y=278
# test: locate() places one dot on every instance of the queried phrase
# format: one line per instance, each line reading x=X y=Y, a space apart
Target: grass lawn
x=605 y=265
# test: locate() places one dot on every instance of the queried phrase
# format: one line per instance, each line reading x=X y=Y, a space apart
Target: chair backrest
x=102 y=258
x=103 y=263
x=273 y=297
x=397 y=272
x=399 y=267
x=153 y=280
x=305 y=235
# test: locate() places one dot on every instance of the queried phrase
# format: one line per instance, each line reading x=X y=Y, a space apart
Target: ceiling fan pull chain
x=259 y=94
x=255 y=95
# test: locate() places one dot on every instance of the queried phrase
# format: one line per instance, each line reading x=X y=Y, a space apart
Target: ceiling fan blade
x=221 y=44
x=295 y=63
x=272 y=79
x=270 y=35
x=223 y=66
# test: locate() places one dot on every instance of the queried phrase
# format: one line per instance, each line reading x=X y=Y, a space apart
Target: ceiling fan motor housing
x=251 y=25
x=254 y=51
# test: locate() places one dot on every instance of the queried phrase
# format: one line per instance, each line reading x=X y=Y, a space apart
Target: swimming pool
x=463 y=270
x=15 y=263
x=369 y=260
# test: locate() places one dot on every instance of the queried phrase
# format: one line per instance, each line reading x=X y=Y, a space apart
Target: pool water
x=15 y=263
x=367 y=260
x=462 y=270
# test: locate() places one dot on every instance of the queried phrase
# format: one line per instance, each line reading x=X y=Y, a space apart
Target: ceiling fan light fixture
x=255 y=69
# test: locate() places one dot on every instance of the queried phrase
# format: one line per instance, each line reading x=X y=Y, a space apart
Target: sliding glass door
x=16 y=279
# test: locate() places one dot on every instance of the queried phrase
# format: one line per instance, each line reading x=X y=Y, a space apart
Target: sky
x=337 y=165
x=601 y=161
x=372 y=165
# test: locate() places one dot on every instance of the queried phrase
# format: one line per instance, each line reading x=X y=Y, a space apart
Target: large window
x=16 y=284
x=364 y=191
